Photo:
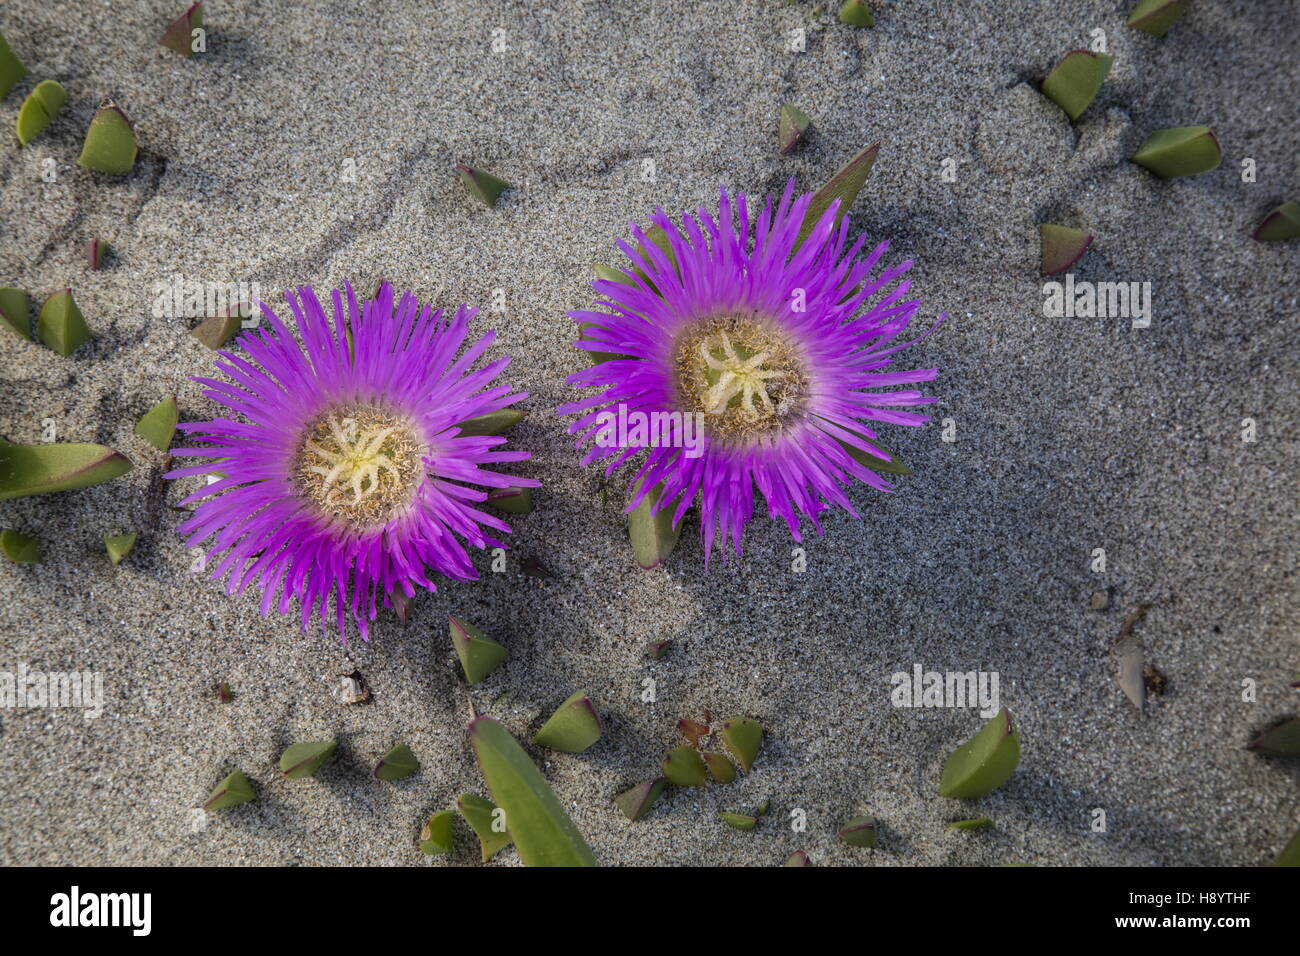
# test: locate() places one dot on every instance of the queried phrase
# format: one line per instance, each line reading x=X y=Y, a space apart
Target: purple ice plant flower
x=342 y=470
x=772 y=344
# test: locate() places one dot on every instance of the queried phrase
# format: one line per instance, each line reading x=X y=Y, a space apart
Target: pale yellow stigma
x=742 y=373
x=360 y=463
x=746 y=377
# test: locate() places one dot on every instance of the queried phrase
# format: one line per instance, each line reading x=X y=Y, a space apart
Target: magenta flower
x=345 y=474
x=767 y=346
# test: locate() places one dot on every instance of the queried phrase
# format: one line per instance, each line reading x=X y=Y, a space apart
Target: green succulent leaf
x=514 y=501
x=491 y=423
x=11 y=68
x=483 y=186
x=893 y=466
x=15 y=312
x=216 y=330
x=573 y=727
x=721 y=769
x=44 y=469
x=119 y=546
x=977 y=823
x=595 y=358
x=1282 y=223
x=743 y=737
x=61 y=325
x=179 y=36
x=685 y=767
x=653 y=535
x=1061 y=247
x=436 y=838
x=479 y=654
x=635 y=802
x=657 y=649
x=1075 y=81
x=158 y=425
x=543 y=833
x=613 y=275
x=797 y=858
x=19 y=548
x=1280 y=741
x=487 y=823
x=1180 y=151
x=397 y=763
x=844 y=186
x=1290 y=855
x=856 y=13
x=96 y=250
x=110 y=143
x=232 y=791
x=791 y=126
x=1156 y=16
x=657 y=236
x=38 y=110
x=860 y=831
x=737 y=821
x=303 y=760
x=401 y=603
x=983 y=763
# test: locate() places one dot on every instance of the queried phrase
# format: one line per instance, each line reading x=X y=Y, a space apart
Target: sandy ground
x=1071 y=434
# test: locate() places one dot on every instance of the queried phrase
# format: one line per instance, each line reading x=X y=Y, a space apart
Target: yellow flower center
x=360 y=463
x=737 y=375
x=742 y=373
